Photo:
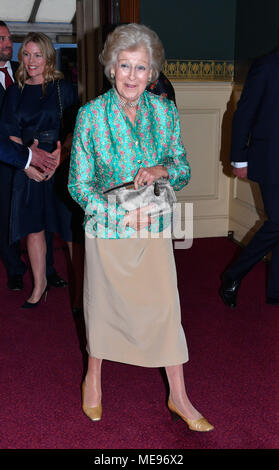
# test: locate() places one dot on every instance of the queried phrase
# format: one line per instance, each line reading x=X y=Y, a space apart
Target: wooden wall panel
x=129 y=11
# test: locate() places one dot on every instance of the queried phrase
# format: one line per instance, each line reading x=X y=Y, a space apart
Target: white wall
x=202 y=108
x=221 y=203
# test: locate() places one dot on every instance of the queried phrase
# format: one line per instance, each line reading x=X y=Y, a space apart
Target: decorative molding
x=202 y=106
x=57 y=32
x=22 y=27
x=247 y=205
x=193 y=70
x=208 y=120
x=243 y=232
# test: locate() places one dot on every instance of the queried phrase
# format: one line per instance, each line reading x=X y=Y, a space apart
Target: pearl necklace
x=127 y=104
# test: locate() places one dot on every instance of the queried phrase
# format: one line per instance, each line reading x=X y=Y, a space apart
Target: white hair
x=131 y=37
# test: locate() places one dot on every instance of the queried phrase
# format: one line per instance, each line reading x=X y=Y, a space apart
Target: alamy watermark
x=175 y=222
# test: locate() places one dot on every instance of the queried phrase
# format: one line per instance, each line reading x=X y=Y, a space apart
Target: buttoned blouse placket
x=135 y=138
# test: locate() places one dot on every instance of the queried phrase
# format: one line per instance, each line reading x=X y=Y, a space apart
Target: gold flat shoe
x=200 y=424
x=94 y=413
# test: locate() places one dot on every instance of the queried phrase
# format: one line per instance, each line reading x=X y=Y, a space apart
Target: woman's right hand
x=138 y=219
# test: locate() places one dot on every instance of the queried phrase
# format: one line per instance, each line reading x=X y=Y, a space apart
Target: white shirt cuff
x=29 y=159
x=239 y=164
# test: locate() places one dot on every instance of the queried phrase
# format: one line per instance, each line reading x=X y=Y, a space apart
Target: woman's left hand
x=149 y=175
x=57 y=156
x=34 y=174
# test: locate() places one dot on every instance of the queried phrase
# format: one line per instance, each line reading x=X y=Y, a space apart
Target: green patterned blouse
x=108 y=150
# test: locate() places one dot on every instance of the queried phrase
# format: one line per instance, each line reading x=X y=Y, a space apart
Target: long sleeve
x=108 y=151
x=247 y=109
x=9 y=116
x=12 y=153
x=83 y=181
x=176 y=163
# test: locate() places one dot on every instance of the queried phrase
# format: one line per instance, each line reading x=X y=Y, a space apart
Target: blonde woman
x=32 y=110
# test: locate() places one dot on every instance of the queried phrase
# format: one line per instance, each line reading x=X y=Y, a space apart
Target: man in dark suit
x=255 y=154
x=11 y=254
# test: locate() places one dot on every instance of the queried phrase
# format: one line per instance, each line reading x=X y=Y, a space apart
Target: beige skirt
x=131 y=302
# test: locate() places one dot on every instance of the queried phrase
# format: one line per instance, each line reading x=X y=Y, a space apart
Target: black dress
x=31 y=113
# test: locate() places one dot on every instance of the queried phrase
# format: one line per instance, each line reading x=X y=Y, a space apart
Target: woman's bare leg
x=178 y=393
x=93 y=390
x=36 y=247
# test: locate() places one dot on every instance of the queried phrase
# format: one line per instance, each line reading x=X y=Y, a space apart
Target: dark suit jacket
x=255 y=129
x=14 y=66
x=12 y=153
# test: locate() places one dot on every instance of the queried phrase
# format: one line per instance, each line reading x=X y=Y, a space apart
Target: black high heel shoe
x=35 y=304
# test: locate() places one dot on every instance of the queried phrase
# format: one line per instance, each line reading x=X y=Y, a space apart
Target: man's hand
x=240 y=172
x=47 y=162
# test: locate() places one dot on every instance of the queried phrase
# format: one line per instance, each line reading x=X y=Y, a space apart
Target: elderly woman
x=131 y=303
